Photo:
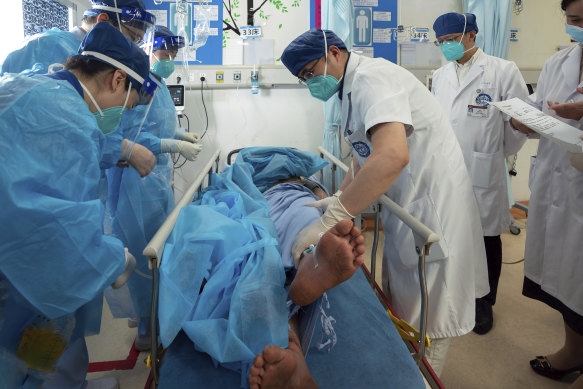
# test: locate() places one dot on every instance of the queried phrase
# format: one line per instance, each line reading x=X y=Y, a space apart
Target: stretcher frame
x=428 y=237
x=155 y=248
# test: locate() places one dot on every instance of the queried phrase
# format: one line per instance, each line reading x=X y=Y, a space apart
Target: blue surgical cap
x=165 y=39
x=453 y=23
x=107 y=44
x=139 y=4
x=308 y=47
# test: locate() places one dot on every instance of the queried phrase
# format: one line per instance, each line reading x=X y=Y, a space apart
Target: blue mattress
x=369 y=352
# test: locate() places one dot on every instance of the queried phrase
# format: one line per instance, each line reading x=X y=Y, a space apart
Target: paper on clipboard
x=547 y=126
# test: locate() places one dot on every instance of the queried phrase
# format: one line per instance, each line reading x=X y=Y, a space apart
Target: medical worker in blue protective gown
x=464 y=87
x=54 y=46
x=404 y=147
x=553 y=260
x=56 y=260
x=139 y=206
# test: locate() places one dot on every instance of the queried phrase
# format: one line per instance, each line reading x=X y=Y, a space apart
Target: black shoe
x=542 y=366
x=484 y=317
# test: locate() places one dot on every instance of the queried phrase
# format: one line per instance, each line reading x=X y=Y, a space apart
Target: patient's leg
x=338 y=254
x=280 y=368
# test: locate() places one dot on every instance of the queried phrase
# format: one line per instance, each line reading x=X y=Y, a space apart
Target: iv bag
x=200 y=32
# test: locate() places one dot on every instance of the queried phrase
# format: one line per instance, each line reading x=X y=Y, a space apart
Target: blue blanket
x=222 y=278
x=369 y=352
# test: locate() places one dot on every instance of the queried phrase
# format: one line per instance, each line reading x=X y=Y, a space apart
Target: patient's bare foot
x=280 y=368
x=338 y=254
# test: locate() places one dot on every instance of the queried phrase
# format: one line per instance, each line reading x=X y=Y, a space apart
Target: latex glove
x=139 y=157
x=324 y=203
x=127 y=271
x=311 y=234
x=191 y=137
x=187 y=150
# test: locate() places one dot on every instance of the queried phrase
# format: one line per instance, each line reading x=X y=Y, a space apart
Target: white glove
x=325 y=202
x=335 y=213
x=311 y=234
x=127 y=271
x=187 y=150
x=191 y=137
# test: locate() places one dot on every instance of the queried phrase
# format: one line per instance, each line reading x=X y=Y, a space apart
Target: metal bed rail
x=155 y=249
x=421 y=231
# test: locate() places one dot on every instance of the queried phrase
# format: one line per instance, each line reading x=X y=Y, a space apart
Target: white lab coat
x=553 y=255
x=434 y=187
x=485 y=135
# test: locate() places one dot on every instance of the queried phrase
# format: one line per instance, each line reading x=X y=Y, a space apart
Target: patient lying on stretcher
x=335 y=259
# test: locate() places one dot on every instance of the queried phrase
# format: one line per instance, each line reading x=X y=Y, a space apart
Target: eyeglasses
x=135 y=37
x=308 y=74
x=448 y=40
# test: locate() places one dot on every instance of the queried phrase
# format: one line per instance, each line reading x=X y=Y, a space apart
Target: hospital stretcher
x=361 y=349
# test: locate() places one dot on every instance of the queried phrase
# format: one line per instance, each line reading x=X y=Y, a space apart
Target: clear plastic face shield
x=164 y=52
x=136 y=24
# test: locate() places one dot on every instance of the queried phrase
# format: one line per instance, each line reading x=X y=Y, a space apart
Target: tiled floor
x=522 y=329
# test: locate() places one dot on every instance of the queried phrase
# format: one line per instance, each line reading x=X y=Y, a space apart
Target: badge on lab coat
x=478 y=111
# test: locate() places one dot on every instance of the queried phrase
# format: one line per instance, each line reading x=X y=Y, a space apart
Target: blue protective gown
x=138 y=206
x=54 y=46
x=55 y=259
x=40 y=51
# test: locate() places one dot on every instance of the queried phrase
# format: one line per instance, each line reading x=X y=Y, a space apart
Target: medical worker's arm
x=513 y=85
x=389 y=157
x=139 y=157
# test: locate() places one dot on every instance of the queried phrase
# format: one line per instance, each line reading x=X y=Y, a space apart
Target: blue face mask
x=163 y=68
x=452 y=51
x=575 y=32
x=325 y=86
x=108 y=119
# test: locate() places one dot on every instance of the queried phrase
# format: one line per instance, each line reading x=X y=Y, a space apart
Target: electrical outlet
x=236 y=76
x=220 y=77
x=202 y=76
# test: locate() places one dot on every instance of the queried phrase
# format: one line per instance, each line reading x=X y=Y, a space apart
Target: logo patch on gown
x=361 y=148
x=483 y=99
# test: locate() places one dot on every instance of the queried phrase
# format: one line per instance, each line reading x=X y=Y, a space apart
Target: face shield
x=136 y=24
x=146 y=87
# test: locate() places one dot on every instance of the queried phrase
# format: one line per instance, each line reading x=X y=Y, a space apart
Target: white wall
x=291 y=117
x=12 y=26
x=275 y=117
x=541 y=29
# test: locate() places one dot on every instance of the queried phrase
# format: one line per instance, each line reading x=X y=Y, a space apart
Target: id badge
x=478 y=111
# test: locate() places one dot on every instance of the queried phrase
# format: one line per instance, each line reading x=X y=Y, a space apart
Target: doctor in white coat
x=553 y=267
x=464 y=87
x=405 y=148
